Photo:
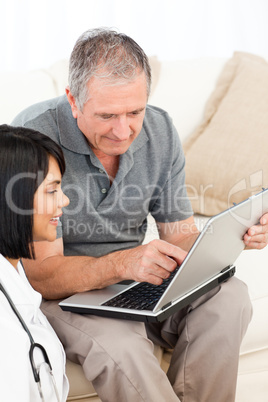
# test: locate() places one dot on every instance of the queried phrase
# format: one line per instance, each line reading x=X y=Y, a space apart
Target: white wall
x=35 y=33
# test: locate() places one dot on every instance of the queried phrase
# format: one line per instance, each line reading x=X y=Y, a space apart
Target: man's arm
x=184 y=233
x=56 y=276
x=181 y=233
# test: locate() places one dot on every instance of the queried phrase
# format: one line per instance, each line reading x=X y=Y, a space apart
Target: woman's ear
x=72 y=102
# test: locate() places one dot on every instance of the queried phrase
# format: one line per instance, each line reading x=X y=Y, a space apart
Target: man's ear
x=72 y=102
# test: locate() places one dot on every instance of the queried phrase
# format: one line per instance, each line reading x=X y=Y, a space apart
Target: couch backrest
x=21 y=89
x=180 y=87
x=183 y=88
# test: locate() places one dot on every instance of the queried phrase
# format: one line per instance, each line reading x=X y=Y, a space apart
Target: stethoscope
x=33 y=347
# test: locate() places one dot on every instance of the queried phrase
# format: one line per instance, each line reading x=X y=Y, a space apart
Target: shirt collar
x=17 y=285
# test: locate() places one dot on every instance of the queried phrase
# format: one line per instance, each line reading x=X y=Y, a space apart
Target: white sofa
x=182 y=88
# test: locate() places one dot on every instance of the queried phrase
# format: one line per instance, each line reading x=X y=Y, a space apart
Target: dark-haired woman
x=32 y=363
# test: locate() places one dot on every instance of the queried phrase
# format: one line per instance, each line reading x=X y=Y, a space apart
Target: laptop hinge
x=222 y=271
x=166 y=306
x=226 y=268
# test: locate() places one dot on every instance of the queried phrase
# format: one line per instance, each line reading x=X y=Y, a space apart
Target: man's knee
x=235 y=293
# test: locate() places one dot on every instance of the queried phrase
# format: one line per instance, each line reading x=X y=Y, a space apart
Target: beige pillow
x=227 y=156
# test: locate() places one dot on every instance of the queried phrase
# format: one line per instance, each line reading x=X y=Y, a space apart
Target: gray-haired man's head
x=107 y=55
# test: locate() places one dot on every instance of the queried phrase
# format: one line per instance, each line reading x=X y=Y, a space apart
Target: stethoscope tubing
x=33 y=346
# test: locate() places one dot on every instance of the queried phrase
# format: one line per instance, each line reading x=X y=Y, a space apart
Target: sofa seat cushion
x=80 y=387
x=252 y=269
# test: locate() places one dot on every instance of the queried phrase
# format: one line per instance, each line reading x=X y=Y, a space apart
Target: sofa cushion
x=226 y=157
x=80 y=388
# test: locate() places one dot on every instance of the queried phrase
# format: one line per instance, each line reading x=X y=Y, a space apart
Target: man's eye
x=135 y=113
x=107 y=116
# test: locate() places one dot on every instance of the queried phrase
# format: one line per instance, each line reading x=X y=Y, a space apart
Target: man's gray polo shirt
x=103 y=218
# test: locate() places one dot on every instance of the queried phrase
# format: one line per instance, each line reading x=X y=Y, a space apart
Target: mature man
x=124 y=160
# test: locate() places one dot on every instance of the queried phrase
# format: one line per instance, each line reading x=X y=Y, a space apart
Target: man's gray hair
x=108 y=55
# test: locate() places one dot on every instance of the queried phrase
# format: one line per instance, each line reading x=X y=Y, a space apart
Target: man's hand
x=152 y=262
x=257 y=236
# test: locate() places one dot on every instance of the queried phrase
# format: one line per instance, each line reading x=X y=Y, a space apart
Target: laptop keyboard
x=143 y=296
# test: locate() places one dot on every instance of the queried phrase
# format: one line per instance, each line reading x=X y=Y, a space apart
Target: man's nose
x=121 y=128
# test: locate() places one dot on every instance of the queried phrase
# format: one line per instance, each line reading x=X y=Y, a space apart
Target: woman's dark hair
x=24 y=163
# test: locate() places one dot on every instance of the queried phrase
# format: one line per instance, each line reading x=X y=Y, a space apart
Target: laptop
x=209 y=262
